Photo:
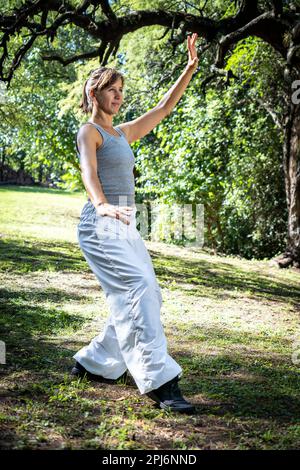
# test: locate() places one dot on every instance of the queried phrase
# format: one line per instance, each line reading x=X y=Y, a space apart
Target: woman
x=133 y=338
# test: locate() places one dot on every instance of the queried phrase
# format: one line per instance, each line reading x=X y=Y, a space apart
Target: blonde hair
x=98 y=79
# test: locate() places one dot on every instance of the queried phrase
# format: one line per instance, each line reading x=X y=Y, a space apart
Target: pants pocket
x=106 y=226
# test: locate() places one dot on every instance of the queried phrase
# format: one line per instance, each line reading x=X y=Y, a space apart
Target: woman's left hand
x=193 y=58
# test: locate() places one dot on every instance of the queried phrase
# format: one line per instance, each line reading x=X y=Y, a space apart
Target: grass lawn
x=230 y=323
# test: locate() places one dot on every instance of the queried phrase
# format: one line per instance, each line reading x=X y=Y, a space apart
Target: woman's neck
x=106 y=123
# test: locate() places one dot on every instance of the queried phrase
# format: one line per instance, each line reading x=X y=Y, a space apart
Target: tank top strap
x=105 y=135
x=99 y=129
x=120 y=131
x=103 y=131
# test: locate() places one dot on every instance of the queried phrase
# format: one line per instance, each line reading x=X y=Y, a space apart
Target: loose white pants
x=133 y=337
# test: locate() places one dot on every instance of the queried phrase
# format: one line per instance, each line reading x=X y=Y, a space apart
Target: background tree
x=222 y=26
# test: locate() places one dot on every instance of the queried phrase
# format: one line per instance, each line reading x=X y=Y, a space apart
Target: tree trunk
x=40 y=173
x=291 y=164
x=293 y=241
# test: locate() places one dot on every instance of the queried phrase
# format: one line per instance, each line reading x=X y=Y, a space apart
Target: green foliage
x=221 y=150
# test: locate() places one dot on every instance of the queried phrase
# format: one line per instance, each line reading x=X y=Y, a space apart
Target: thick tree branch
x=265 y=26
x=272 y=26
x=74 y=58
x=108 y=11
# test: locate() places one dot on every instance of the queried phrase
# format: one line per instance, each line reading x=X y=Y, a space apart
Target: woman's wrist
x=100 y=205
x=191 y=68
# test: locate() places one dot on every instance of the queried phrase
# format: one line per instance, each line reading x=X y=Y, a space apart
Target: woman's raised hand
x=192 y=51
x=116 y=212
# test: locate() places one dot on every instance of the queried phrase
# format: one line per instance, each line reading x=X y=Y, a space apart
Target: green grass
x=230 y=323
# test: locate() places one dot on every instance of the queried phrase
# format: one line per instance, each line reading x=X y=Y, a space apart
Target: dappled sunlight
x=229 y=322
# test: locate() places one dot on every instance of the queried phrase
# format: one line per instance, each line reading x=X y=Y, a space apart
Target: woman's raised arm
x=141 y=126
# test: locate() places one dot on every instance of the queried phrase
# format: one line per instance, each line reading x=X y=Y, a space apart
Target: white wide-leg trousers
x=133 y=337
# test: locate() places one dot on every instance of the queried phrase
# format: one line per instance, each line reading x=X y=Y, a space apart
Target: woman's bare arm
x=142 y=125
x=88 y=141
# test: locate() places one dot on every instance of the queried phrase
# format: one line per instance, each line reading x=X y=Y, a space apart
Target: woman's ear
x=93 y=97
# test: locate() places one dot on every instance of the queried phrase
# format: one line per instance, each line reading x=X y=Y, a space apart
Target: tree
x=276 y=22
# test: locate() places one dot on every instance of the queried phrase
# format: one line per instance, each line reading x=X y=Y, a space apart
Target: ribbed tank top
x=115 y=163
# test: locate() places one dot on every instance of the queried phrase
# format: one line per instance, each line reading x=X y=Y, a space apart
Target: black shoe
x=169 y=397
x=80 y=372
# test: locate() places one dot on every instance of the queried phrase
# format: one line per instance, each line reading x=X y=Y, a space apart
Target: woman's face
x=110 y=98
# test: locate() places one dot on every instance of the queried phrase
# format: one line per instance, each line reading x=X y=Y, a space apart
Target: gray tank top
x=115 y=162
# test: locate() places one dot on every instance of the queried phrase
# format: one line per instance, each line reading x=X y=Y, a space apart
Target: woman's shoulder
x=88 y=131
x=88 y=128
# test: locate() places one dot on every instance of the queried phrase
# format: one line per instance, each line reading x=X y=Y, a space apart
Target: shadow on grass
x=34 y=366
x=226 y=277
x=59 y=256
x=39 y=393
x=232 y=385
x=24 y=322
x=42 y=406
x=227 y=337
x=22 y=315
x=36 y=383
x=225 y=386
x=30 y=256
x=242 y=384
